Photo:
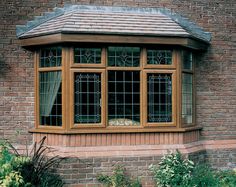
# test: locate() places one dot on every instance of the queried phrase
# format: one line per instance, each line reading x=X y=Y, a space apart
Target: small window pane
x=123 y=98
x=50 y=101
x=87 y=98
x=160 y=57
x=50 y=57
x=187 y=98
x=187 y=60
x=159 y=97
x=87 y=55
x=123 y=56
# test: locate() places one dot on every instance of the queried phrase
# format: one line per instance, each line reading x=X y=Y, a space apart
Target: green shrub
x=118 y=179
x=203 y=176
x=226 y=178
x=8 y=176
x=28 y=171
x=173 y=170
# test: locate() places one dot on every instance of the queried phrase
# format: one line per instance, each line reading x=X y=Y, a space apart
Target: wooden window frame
x=159 y=66
x=38 y=70
x=103 y=90
x=82 y=65
x=68 y=69
x=145 y=107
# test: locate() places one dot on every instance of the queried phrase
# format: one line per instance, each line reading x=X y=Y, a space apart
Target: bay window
x=85 y=88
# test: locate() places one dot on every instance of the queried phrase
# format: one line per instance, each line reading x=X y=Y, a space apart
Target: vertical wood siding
x=86 y=140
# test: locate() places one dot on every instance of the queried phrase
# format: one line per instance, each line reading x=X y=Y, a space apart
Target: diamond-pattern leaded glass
x=187 y=98
x=161 y=57
x=50 y=57
x=87 y=55
x=159 y=97
x=123 y=56
x=87 y=98
x=50 y=100
x=124 y=98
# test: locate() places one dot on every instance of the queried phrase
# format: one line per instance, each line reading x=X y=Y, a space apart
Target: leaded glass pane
x=161 y=57
x=50 y=57
x=123 y=56
x=50 y=100
x=124 y=98
x=187 y=98
x=187 y=62
x=87 y=96
x=87 y=55
x=159 y=97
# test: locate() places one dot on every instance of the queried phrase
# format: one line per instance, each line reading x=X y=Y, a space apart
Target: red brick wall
x=215 y=72
x=83 y=172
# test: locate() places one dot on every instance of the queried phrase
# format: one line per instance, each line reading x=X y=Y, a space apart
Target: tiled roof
x=112 y=20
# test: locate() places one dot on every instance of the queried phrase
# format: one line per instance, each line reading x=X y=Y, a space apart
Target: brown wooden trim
x=41 y=40
x=123 y=68
x=160 y=66
x=96 y=38
x=67 y=99
x=121 y=139
x=80 y=65
x=65 y=86
x=36 y=87
x=122 y=39
x=178 y=62
x=143 y=60
x=162 y=124
x=100 y=125
x=114 y=130
x=50 y=69
x=53 y=128
x=38 y=70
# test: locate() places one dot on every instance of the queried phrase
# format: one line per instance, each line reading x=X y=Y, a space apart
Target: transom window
x=114 y=86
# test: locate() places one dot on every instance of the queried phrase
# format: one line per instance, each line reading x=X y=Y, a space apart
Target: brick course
x=82 y=172
x=215 y=71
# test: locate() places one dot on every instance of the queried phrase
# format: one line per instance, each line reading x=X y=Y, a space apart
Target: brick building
x=179 y=35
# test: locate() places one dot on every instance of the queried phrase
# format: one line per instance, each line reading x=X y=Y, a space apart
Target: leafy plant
x=203 y=176
x=40 y=169
x=227 y=178
x=34 y=169
x=118 y=179
x=173 y=171
x=9 y=176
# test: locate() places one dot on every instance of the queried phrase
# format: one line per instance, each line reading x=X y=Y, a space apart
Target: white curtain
x=49 y=86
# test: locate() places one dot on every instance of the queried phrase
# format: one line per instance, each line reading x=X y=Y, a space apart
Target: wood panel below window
x=118 y=139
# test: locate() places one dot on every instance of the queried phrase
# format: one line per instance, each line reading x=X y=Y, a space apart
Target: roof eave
x=68 y=37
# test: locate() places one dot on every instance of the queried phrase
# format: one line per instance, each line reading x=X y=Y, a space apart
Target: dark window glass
x=187 y=60
x=87 y=98
x=159 y=97
x=87 y=55
x=123 y=98
x=123 y=56
x=50 y=57
x=50 y=101
x=187 y=98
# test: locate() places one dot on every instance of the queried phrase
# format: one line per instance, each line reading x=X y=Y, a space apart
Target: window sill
x=120 y=130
